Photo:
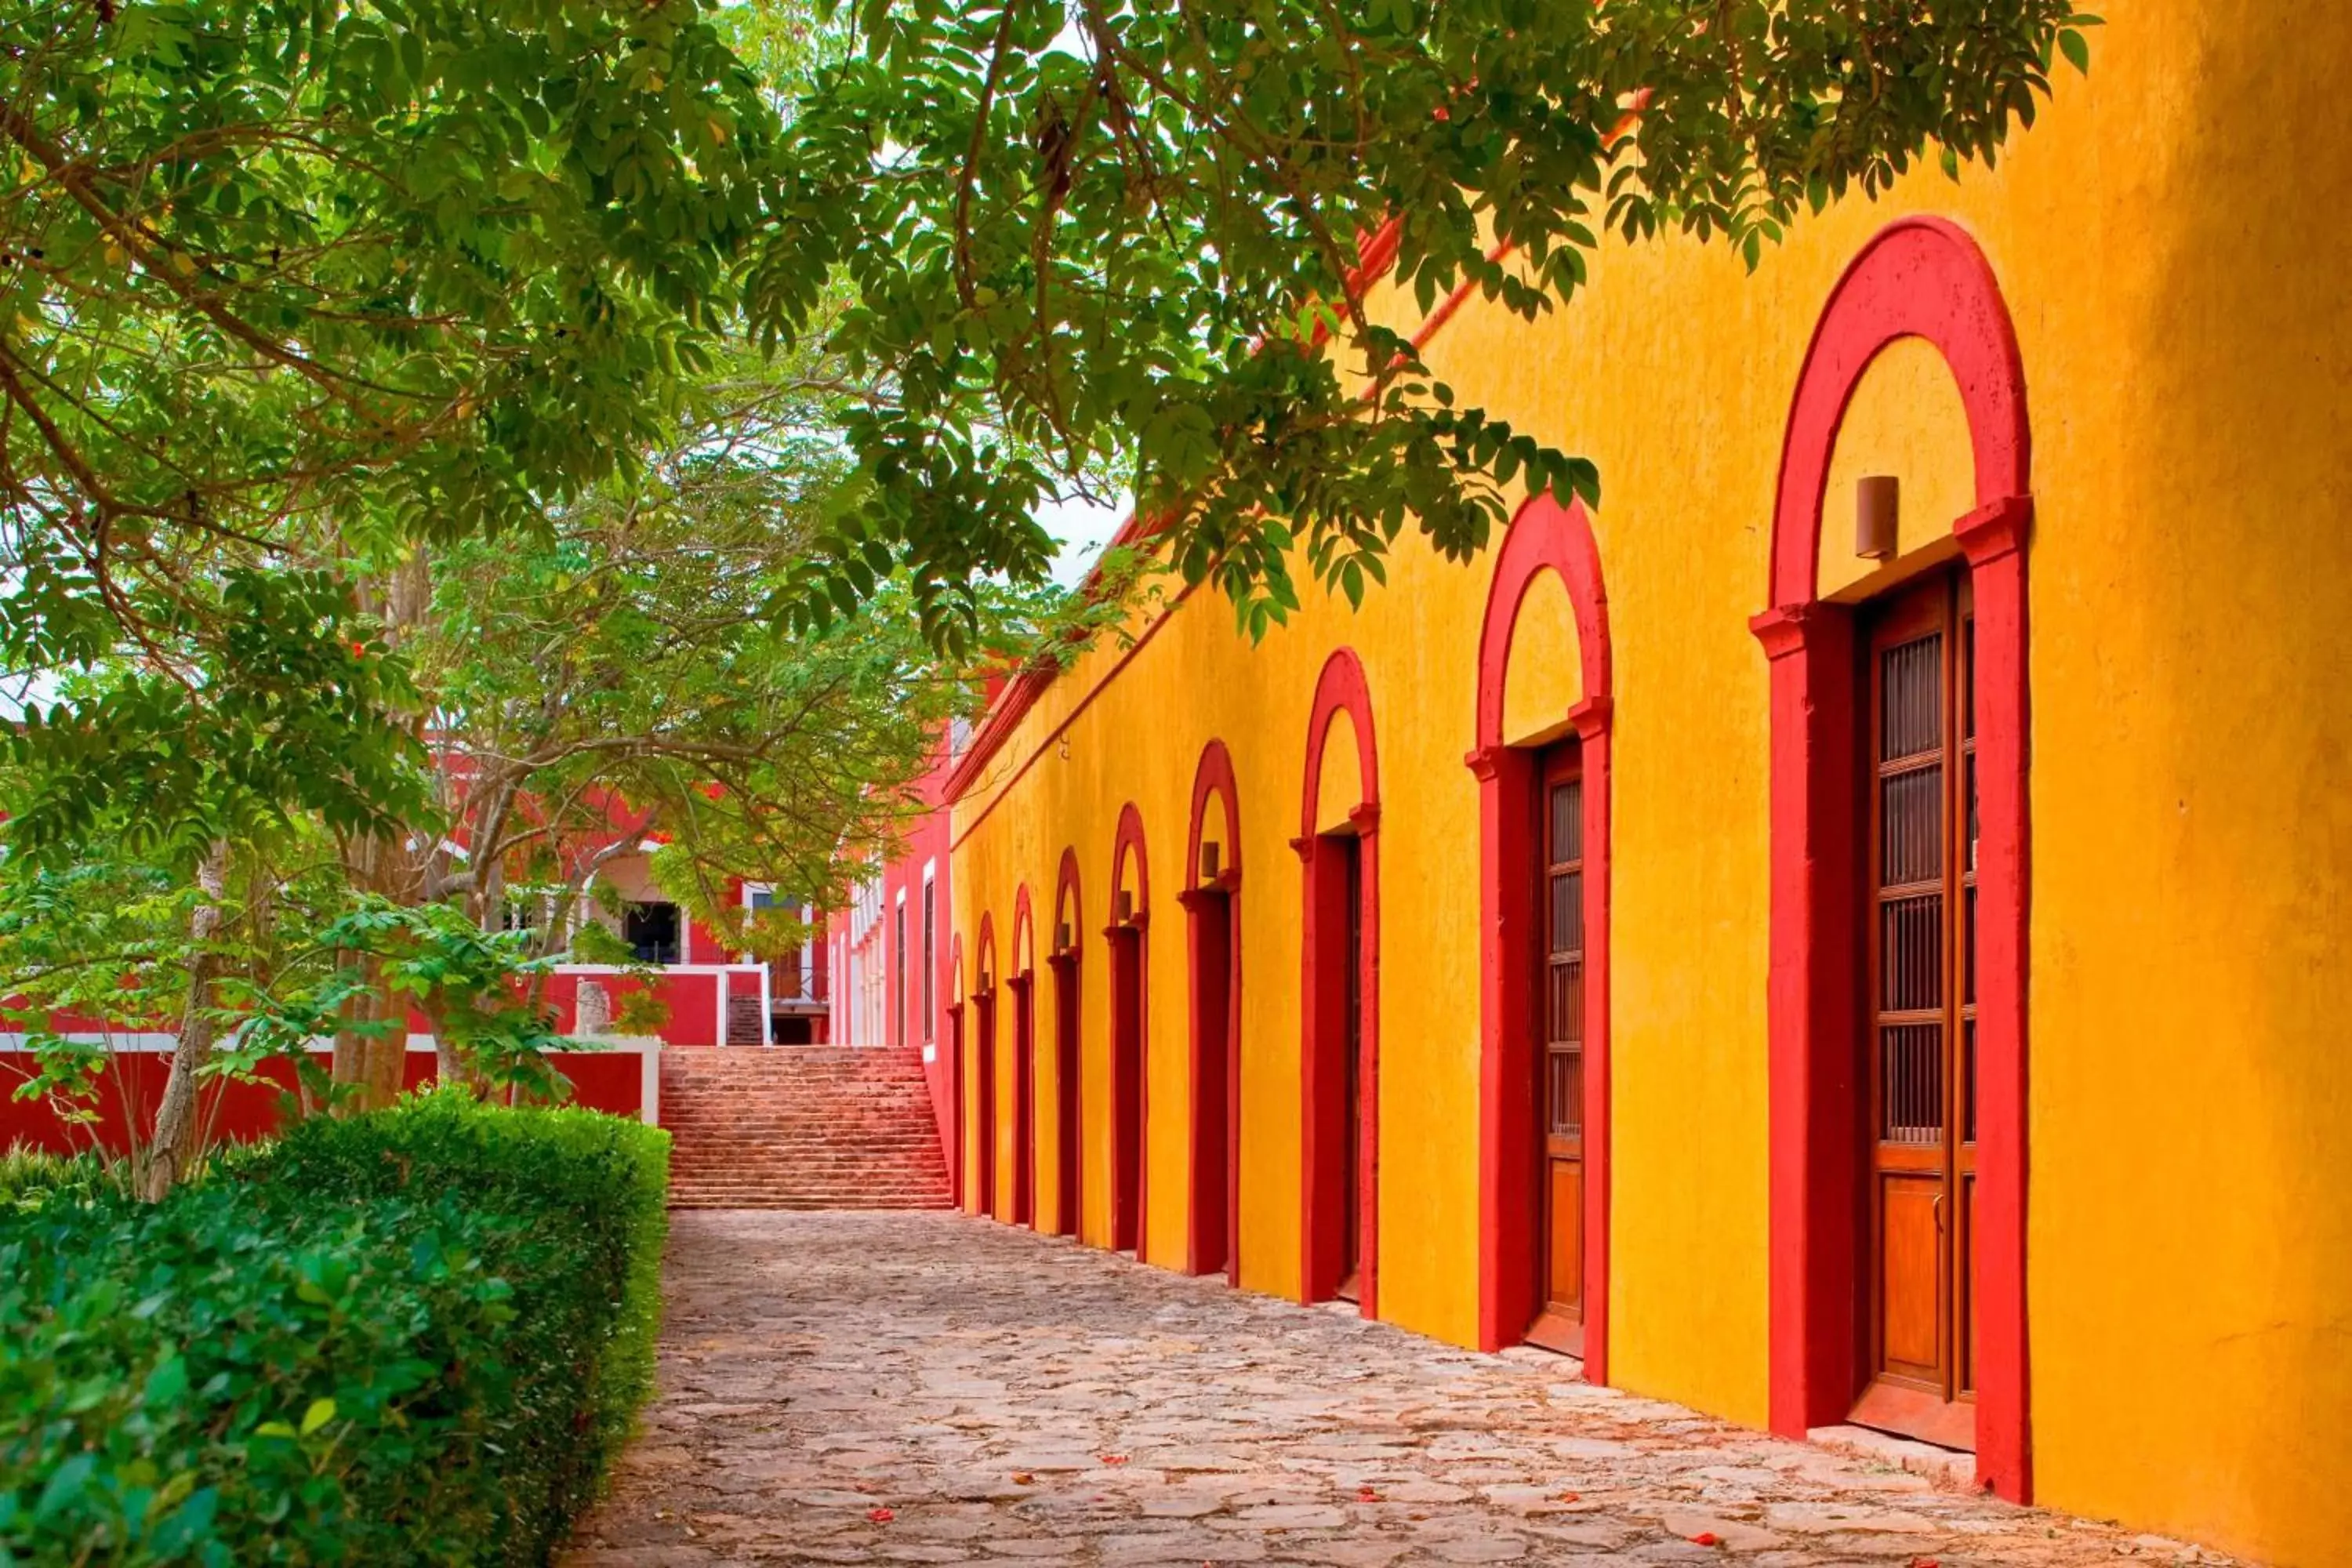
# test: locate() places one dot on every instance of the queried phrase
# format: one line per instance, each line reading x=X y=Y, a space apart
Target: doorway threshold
x=1947 y=1469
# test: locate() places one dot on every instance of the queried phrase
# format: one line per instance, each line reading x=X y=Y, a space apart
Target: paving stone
x=1010 y=1399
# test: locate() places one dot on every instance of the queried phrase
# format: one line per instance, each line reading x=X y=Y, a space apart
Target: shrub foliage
x=415 y=1336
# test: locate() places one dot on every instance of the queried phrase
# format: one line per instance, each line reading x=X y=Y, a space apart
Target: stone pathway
x=929 y=1388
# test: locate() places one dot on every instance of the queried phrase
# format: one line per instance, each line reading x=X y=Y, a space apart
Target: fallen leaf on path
x=880 y=1515
x=1706 y=1537
x=1023 y=1478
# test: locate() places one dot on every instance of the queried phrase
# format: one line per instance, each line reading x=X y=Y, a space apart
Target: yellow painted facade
x=2164 y=239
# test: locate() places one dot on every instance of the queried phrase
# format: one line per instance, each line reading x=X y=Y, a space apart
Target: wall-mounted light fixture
x=1209 y=857
x=1877 y=508
x=1062 y=942
x=1126 y=906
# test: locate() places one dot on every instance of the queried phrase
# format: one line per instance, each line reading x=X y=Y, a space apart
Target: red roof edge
x=1375 y=253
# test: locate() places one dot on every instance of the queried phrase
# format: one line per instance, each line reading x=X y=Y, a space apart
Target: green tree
x=292 y=283
x=1129 y=230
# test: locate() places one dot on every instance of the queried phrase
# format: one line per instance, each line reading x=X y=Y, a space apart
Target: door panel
x=1911 y=1249
x=1565 y=1234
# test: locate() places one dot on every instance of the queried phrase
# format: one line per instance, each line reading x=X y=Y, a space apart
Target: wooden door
x=1211 y=913
x=1127 y=1090
x=1351 y=1145
x=1025 y=1105
x=1559 y=1018
x=956 y=1139
x=1068 y=1188
x=1921 y=1010
x=983 y=1069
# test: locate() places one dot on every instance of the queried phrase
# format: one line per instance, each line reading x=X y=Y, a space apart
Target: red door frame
x=1069 y=1114
x=1323 y=990
x=983 y=1075
x=1024 y=1062
x=1131 y=971
x=1215 y=1241
x=1922 y=278
x=1544 y=537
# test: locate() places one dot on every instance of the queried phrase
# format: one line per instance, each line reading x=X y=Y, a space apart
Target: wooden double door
x=1557 y=1009
x=1919 y=1014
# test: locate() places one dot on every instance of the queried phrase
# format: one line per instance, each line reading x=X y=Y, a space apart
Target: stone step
x=802 y=1127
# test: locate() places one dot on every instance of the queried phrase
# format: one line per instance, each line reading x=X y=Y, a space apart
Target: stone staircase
x=801 y=1126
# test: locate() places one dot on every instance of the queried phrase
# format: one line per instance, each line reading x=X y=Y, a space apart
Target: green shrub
x=32 y=1178
x=413 y=1337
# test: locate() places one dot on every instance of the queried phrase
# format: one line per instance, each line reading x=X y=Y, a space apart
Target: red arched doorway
x=1069 y=1190
x=1340 y=989
x=1129 y=1036
x=1024 y=1062
x=1543 y=1081
x=1212 y=900
x=983 y=1070
x=1832 y=1277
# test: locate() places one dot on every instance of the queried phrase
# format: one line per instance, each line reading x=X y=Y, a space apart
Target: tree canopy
x=425 y=423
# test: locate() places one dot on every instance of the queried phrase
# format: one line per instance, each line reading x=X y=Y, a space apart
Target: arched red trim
x=1069 y=1119
x=1021 y=983
x=1213 y=951
x=1130 y=1039
x=982 y=1003
x=1342 y=685
x=1921 y=278
x=1544 y=537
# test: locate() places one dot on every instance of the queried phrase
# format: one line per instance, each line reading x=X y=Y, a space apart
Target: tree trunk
x=371 y=1060
x=173 y=1151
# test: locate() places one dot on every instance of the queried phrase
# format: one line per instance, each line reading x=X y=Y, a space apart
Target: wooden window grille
x=1564 y=960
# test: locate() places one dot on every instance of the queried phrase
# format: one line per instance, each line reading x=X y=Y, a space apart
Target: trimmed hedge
x=412 y=1337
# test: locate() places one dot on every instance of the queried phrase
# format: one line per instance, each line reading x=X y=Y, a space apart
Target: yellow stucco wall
x=2164 y=238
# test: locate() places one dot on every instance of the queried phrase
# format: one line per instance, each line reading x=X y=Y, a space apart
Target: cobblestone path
x=926 y=1388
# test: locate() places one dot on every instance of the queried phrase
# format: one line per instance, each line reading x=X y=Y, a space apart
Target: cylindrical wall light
x=1209 y=857
x=1877 y=508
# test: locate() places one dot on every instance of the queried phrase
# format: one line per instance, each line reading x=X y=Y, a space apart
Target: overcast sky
x=1084 y=529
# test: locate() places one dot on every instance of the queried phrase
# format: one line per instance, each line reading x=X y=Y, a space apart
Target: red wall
x=602 y=1080
x=926 y=843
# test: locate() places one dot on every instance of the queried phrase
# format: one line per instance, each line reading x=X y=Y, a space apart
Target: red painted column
x=1813 y=1052
x=1592 y=719
x=1993 y=539
x=1506 y=1074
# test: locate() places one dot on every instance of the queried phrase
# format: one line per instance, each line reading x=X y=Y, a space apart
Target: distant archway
x=1337 y=843
x=1131 y=1076
x=983 y=1068
x=1019 y=981
x=1211 y=902
x=1069 y=1166
x=1520 y=1183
